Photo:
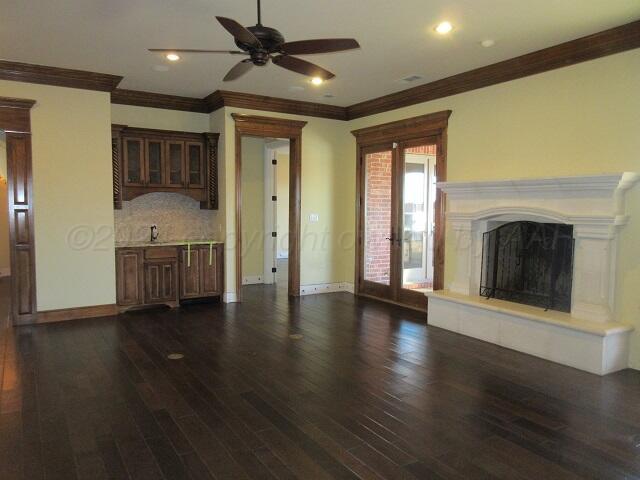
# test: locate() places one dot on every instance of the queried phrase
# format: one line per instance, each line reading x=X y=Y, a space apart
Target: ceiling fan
x=264 y=43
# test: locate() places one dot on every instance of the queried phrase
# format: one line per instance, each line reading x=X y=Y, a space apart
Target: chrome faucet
x=154 y=233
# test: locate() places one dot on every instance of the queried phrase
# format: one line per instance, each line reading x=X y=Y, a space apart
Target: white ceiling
x=397 y=39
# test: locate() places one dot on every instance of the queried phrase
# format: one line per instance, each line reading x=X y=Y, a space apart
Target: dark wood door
x=19 y=189
x=129 y=280
x=175 y=171
x=160 y=281
x=195 y=164
x=190 y=273
x=377 y=237
x=155 y=162
x=211 y=270
x=134 y=164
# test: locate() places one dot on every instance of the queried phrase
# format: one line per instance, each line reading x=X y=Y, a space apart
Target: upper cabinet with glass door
x=146 y=161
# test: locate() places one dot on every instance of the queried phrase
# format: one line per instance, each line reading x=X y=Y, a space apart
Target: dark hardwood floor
x=368 y=391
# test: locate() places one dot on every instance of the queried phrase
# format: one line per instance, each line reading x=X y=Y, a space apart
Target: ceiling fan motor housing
x=270 y=38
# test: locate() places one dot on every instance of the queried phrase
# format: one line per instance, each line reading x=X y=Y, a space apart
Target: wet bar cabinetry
x=146 y=160
x=166 y=274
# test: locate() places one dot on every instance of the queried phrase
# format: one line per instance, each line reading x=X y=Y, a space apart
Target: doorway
x=15 y=122
x=265 y=211
x=400 y=250
x=270 y=128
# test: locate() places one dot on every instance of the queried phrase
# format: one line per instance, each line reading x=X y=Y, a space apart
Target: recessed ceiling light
x=444 y=27
x=488 y=43
x=317 y=81
x=173 y=57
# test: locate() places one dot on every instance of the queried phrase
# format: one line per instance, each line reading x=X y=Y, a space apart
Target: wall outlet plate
x=314 y=217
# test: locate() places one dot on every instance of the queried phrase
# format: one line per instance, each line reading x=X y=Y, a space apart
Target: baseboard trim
x=252 y=280
x=64 y=314
x=326 y=288
x=230 y=297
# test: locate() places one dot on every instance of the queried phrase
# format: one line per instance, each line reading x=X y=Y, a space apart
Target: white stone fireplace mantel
x=593 y=204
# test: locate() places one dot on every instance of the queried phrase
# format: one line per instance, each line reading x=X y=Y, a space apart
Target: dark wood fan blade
x=326 y=45
x=240 y=69
x=302 y=66
x=192 y=50
x=240 y=33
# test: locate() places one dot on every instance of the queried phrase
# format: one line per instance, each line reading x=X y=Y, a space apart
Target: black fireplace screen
x=530 y=263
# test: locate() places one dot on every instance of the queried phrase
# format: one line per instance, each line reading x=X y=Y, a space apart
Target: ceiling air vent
x=411 y=79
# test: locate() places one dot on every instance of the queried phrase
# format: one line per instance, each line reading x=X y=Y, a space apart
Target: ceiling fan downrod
x=259 y=15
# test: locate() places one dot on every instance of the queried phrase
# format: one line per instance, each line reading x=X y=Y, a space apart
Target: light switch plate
x=314 y=217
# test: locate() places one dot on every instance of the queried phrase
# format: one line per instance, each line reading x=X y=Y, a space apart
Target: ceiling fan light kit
x=262 y=44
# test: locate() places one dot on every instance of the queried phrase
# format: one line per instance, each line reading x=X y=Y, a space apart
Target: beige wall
x=72 y=185
x=4 y=211
x=583 y=119
x=282 y=207
x=145 y=117
x=252 y=207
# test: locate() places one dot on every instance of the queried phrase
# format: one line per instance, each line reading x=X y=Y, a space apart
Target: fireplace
x=532 y=267
x=530 y=263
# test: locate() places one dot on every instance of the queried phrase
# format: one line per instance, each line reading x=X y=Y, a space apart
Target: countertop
x=176 y=243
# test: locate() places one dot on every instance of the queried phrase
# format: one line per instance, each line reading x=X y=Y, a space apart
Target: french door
x=399 y=220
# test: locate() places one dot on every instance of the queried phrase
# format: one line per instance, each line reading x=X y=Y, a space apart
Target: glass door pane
x=175 y=164
x=418 y=217
x=155 y=163
x=377 y=217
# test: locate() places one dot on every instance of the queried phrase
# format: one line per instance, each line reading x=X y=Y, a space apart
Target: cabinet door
x=175 y=172
x=160 y=281
x=129 y=281
x=211 y=268
x=190 y=273
x=155 y=164
x=195 y=164
x=134 y=171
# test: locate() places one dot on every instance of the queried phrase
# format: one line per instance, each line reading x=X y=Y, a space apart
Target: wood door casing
x=426 y=128
x=15 y=121
x=258 y=126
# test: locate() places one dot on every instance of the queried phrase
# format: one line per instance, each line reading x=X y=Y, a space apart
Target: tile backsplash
x=177 y=216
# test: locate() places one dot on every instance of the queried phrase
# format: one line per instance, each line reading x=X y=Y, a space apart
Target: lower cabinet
x=165 y=275
x=201 y=271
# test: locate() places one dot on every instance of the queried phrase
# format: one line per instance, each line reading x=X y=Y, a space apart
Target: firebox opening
x=530 y=263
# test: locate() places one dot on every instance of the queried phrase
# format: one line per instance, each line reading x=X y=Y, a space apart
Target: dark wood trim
x=225 y=98
x=607 y=42
x=15 y=114
x=159 y=100
x=211 y=160
x=59 y=77
x=154 y=132
x=15 y=121
x=406 y=129
x=280 y=128
x=409 y=132
x=77 y=313
x=116 y=164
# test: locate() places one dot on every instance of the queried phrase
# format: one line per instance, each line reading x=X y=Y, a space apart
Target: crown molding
x=607 y=42
x=159 y=100
x=225 y=98
x=60 y=77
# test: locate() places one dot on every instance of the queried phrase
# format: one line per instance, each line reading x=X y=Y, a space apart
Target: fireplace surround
x=593 y=209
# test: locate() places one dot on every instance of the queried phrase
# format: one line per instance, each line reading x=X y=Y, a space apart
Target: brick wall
x=378 y=213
